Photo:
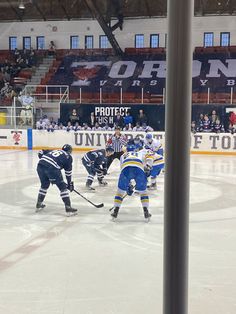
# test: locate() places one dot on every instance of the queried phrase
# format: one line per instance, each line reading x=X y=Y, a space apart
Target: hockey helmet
x=149 y=137
x=109 y=149
x=130 y=147
x=67 y=148
x=137 y=139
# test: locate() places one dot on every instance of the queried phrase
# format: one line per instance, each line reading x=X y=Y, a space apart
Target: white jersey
x=137 y=159
x=151 y=158
x=154 y=146
x=27 y=101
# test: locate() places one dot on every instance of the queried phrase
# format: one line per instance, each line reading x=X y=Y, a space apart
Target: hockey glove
x=104 y=170
x=130 y=190
x=147 y=170
x=70 y=186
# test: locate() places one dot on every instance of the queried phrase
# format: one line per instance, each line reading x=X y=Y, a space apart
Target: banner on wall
x=105 y=113
x=13 y=138
x=82 y=140
x=215 y=71
x=200 y=142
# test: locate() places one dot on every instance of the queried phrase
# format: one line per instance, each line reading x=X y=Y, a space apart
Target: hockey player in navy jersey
x=49 y=171
x=139 y=143
x=95 y=162
x=134 y=166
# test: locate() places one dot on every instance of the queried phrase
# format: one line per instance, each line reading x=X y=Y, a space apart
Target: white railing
x=48 y=93
x=15 y=116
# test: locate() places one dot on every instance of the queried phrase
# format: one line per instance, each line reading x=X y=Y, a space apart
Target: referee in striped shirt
x=117 y=141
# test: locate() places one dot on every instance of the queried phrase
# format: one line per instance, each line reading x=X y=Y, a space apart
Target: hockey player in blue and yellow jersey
x=49 y=171
x=134 y=166
x=157 y=166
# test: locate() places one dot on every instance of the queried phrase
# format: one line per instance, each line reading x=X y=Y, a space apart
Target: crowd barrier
x=201 y=143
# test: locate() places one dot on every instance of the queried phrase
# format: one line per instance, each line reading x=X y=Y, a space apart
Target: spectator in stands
x=107 y=127
x=232 y=119
x=16 y=54
x=217 y=127
x=76 y=127
x=231 y=128
x=146 y=128
x=92 y=120
x=85 y=127
x=6 y=90
x=137 y=127
x=69 y=127
x=32 y=58
x=26 y=113
x=51 y=121
x=52 y=127
x=74 y=117
x=193 y=127
x=200 y=121
x=40 y=125
x=206 y=126
x=119 y=120
x=51 y=48
x=46 y=120
x=214 y=116
x=96 y=127
x=142 y=118
x=61 y=126
x=128 y=119
x=128 y=128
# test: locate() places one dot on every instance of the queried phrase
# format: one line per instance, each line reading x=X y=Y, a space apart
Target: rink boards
x=201 y=143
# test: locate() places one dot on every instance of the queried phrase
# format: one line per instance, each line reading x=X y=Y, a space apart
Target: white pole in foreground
x=177 y=156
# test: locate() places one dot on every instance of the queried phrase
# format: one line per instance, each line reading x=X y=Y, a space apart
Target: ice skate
x=152 y=186
x=71 y=211
x=89 y=187
x=39 y=207
x=115 y=214
x=102 y=183
x=147 y=215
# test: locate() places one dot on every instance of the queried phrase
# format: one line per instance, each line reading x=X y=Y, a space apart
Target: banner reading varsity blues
x=216 y=71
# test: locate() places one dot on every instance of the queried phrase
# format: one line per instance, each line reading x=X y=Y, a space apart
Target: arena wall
x=201 y=143
x=60 y=31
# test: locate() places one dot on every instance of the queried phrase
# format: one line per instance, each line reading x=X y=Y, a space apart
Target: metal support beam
x=107 y=30
x=39 y=10
x=148 y=8
x=177 y=153
x=64 y=10
x=18 y=15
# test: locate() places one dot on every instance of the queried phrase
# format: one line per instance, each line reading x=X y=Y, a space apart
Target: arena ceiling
x=77 y=9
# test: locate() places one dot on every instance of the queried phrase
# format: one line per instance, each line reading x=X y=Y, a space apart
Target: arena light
x=21 y=5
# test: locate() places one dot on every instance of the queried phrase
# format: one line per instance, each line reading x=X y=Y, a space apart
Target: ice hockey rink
x=52 y=264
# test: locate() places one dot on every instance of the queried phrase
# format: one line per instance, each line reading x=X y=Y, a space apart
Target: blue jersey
x=57 y=159
x=96 y=157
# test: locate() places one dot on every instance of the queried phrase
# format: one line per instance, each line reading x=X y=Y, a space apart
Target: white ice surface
x=50 y=264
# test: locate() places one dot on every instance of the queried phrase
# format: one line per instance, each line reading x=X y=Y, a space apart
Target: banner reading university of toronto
x=215 y=71
x=200 y=142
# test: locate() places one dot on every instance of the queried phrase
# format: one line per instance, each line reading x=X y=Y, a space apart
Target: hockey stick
x=122 y=199
x=95 y=205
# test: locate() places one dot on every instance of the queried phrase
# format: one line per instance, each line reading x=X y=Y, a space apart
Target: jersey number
x=56 y=153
